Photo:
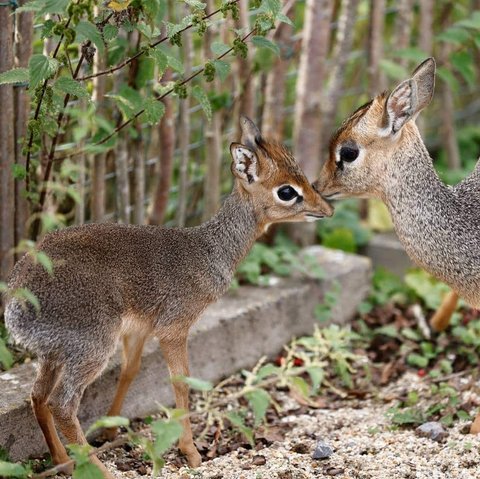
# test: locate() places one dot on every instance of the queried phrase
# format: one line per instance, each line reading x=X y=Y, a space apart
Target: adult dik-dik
x=114 y=282
x=378 y=152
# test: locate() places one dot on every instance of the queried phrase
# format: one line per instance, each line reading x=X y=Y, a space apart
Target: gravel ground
x=364 y=443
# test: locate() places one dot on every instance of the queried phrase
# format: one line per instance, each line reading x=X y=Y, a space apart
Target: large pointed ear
x=410 y=97
x=244 y=163
x=251 y=135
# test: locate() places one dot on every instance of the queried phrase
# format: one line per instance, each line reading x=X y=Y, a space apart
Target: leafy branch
x=144 y=50
x=157 y=98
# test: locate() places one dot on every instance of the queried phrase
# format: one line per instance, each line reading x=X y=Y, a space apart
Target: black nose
x=315 y=186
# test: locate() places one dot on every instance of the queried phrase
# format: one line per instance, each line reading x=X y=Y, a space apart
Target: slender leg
x=442 y=316
x=44 y=384
x=132 y=357
x=65 y=399
x=176 y=356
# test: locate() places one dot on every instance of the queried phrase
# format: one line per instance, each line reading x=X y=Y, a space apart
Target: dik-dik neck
x=231 y=233
x=422 y=207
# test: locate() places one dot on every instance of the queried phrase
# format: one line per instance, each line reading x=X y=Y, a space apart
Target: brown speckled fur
x=112 y=281
x=438 y=225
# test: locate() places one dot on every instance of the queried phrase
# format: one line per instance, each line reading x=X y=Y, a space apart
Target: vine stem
x=51 y=154
x=37 y=113
x=157 y=98
x=119 y=66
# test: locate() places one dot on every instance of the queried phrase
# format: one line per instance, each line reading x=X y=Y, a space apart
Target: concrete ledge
x=232 y=334
x=385 y=250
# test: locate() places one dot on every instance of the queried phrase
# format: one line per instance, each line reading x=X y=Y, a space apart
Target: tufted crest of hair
x=281 y=159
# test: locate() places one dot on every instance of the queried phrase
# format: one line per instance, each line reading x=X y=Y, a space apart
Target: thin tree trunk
x=7 y=148
x=273 y=110
x=213 y=141
x=375 y=47
x=123 y=187
x=136 y=152
x=426 y=26
x=135 y=145
x=449 y=137
x=343 y=45
x=24 y=47
x=426 y=42
x=184 y=128
x=403 y=26
x=98 y=161
x=308 y=118
x=244 y=91
x=167 y=146
x=80 y=206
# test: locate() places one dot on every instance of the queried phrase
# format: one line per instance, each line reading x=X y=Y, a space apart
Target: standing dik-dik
x=115 y=281
x=378 y=152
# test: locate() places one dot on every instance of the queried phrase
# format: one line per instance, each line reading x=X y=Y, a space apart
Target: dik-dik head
x=360 y=151
x=269 y=176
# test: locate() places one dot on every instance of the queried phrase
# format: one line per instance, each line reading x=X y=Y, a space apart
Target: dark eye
x=348 y=153
x=287 y=193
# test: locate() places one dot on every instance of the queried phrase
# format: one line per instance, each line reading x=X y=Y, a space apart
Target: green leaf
x=166 y=433
x=237 y=421
x=45 y=261
x=88 y=31
x=388 y=330
x=173 y=61
x=417 y=360
x=316 y=376
x=108 y=421
x=194 y=383
x=263 y=42
x=128 y=100
x=160 y=58
x=455 y=35
x=6 y=358
x=219 y=48
x=41 y=67
x=25 y=294
x=300 y=385
x=54 y=6
x=19 y=171
x=10 y=469
x=259 y=400
x=393 y=70
x=340 y=238
x=463 y=62
x=87 y=470
x=110 y=32
x=472 y=22
x=17 y=75
x=283 y=18
x=222 y=69
x=33 y=6
x=71 y=86
x=449 y=78
x=154 y=110
x=199 y=93
x=196 y=4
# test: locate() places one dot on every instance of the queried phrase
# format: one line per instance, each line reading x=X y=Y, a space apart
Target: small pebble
x=259 y=460
x=300 y=448
x=433 y=430
x=322 y=451
x=334 y=471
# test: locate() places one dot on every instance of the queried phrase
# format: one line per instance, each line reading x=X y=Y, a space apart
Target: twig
x=158 y=98
x=141 y=52
x=37 y=112
x=60 y=467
